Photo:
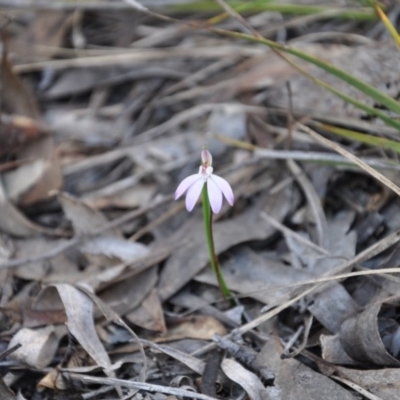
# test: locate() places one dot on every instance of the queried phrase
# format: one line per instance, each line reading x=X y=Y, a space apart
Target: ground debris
x=105 y=285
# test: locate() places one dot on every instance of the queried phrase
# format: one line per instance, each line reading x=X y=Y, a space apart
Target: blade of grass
x=364 y=87
x=319 y=82
x=360 y=14
x=389 y=26
x=349 y=99
x=363 y=138
x=334 y=146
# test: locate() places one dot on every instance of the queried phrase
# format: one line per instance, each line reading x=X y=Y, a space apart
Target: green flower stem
x=216 y=267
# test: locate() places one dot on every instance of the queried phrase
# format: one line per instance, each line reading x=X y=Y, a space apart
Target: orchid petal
x=214 y=195
x=185 y=185
x=225 y=188
x=193 y=193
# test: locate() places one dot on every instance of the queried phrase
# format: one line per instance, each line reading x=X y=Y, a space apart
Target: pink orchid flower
x=216 y=186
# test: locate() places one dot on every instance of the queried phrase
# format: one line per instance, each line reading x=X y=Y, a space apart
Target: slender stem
x=216 y=267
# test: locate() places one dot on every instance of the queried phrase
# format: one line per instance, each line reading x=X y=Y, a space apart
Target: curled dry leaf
x=38 y=346
x=52 y=380
x=333 y=351
x=362 y=336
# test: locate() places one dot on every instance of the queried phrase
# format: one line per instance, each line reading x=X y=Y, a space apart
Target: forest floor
x=106 y=290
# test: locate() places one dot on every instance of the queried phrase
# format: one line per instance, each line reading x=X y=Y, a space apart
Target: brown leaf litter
x=105 y=285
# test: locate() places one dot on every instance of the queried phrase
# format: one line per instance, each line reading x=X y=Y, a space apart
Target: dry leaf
x=38 y=346
x=247 y=273
x=149 y=314
x=362 y=336
x=333 y=306
x=5 y=392
x=50 y=177
x=246 y=379
x=79 y=309
x=12 y=221
x=17 y=98
x=84 y=219
x=294 y=380
x=125 y=295
x=196 y=327
x=381 y=382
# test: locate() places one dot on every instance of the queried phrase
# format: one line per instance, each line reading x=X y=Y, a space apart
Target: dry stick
x=290 y=119
x=141 y=386
x=313 y=202
x=80 y=238
x=288 y=232
x=312 y=156
x=140 y=55
x=357 y=388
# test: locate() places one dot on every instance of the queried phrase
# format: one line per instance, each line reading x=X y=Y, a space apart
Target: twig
x=141 y=386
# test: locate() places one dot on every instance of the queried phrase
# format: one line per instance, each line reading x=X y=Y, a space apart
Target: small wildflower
x=216 y=186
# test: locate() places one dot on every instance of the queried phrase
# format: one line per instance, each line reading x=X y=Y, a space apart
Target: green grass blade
x=352 y=80
x=360 y=14
x=363 y=138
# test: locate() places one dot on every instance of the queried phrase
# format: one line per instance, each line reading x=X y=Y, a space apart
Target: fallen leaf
x=265 y=280
x=84 y=219
x=381 y=382
x=18 y=99
x=246 y=379
x=13 y=222
x=196 y=327
x=50 y=178
x=58 y=267
x=5 y=392
x=333 y=351
x=125 y=295
x=332 y=307
x=294 y=380
x=38 y=346
x=79 y=309
x=149 y=314
x=362 y=336
x=116 y=248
